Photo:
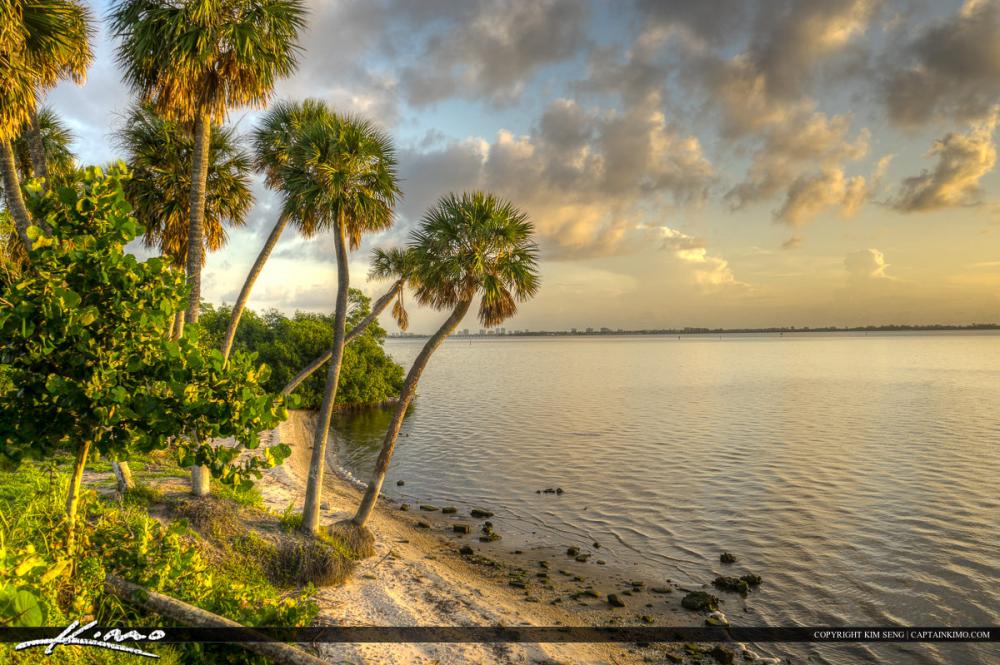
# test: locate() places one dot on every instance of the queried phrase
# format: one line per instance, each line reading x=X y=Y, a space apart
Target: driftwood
x=195 y=616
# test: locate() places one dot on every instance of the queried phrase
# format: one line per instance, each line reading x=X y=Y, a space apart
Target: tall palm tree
x=468 y=245
x=43 y=150
x=195 y=60
x=278 y=130
x=158 y=152
x=56 y=139
x=395 y=264
x=75 y=57
x=340 y=175
x=41 y=42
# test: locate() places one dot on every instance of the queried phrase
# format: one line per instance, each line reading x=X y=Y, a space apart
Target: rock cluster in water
x=700 y=601
x=741 y=584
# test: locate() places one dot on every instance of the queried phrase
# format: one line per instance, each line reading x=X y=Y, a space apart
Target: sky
x=720 y=163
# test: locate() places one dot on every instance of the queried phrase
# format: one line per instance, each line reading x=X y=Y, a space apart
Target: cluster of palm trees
x=190 y=62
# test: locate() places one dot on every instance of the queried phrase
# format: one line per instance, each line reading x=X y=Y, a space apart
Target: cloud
x=585 y=176
x=951 y=68
x=707 y=271
x=787 y=149
x=865 y=265
x=788 y=46
x=809 y=195
x=493 y=52
x=792 y=243
x=962 y=160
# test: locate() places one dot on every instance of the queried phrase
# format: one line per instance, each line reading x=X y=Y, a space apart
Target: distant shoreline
x=607 y=332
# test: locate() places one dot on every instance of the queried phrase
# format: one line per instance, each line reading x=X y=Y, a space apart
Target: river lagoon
x=857 y=474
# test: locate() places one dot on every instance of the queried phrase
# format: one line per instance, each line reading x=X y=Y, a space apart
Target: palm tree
x=272 y=140
x=158 y=152
x=468 y=245
x=75 y=57
x=56 y=139
x=386 y=264
x=340 y=175
x=41 y=42
x=195 y=60
x=50 y=133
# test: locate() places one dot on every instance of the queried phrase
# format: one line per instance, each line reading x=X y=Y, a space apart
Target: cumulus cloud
x=787 y=47
x=809 y=195
x=586 y=176
x=866 y=265
x=962 y=160
x=493 y=52
x=762 y=93
x=787 y=149
x=707 y=271
x=951 y=68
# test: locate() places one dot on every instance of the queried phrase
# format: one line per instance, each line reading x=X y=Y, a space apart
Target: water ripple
x=857 y=475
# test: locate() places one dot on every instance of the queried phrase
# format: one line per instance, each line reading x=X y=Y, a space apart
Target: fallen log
x=190 y=615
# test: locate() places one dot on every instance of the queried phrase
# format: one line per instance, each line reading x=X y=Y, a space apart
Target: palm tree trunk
x=258 y=266
x=12 y=193
x=36 y=148
x=377 y=309
x=178 y=327
x=200 y=478
x=405 y=397
x=196 y=246
x=73 y=496
x=123 y=476
x=196 y=224
x=314 y=487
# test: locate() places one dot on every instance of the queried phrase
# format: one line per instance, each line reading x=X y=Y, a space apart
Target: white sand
x=422 y=582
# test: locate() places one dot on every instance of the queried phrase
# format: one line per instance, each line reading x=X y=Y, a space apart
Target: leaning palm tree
x=158 y=152
x=195 y=60
x=41 y=42
x=395 y=264
x=468 y=245
x=340 y=175
x=272 y=140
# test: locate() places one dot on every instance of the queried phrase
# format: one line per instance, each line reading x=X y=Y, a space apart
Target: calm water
x=860 y=476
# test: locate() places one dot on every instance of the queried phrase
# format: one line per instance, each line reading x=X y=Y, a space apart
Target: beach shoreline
x=419 y=577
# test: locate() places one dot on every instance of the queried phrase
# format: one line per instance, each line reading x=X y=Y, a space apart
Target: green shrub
x=125 y=541
x=287 y=344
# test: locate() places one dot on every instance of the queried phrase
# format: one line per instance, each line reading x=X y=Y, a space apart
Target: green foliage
x=159 y=153
x=56 y=140
x=86 y=356
x=287 y=344
x=290 y=519
x=44 y=588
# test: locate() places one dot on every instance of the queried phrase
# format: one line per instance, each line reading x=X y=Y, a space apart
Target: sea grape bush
x=85 y=352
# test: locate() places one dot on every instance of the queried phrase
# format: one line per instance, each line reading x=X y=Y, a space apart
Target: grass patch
x=357 y=541
x=290 y=520
x=244 y=497
x=302 y=559
x=122 y=538
x=142 y=495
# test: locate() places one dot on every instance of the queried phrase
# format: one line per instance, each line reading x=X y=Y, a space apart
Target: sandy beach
x=418 y=577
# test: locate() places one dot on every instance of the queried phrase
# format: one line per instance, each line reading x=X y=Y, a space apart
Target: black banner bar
x=530 y=634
